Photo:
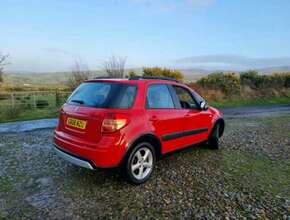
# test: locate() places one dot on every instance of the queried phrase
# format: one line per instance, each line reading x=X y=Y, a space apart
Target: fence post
x=56 y=98
x=12 y=100
x=34 y=100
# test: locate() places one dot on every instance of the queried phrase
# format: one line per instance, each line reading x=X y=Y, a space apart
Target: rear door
x=196 y=122
x=163 y=117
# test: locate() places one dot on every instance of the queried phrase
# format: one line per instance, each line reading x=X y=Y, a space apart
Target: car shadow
x=103 y=177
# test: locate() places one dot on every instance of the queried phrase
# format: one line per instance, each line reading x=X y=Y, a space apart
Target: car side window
x=185 y=98
x=159 y=97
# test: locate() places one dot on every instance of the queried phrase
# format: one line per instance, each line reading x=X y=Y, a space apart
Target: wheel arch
x=146 y=137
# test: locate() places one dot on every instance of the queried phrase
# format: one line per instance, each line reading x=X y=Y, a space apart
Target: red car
x=131 y=123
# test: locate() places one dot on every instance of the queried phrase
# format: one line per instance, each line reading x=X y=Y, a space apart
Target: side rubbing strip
x=175 y=135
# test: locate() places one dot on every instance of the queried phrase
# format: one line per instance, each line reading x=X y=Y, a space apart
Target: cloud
x=235 y=60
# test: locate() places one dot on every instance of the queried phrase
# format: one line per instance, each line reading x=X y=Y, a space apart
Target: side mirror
x=203 y=105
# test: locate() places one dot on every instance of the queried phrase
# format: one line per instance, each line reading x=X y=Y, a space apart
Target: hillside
x=59 y=78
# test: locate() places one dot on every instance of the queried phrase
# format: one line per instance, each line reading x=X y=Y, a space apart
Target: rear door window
x=159 y=97
x=104 y=95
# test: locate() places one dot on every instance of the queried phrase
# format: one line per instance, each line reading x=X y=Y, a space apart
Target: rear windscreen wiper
x=77 y=101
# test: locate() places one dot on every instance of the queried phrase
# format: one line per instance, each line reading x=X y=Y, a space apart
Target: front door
x=196 y=122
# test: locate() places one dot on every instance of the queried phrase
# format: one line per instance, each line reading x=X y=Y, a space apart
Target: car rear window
x=104 y=95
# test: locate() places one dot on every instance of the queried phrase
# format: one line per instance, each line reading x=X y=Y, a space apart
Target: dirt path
x=256 y=110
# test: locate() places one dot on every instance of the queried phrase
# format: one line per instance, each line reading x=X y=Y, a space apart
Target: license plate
x=81 y=124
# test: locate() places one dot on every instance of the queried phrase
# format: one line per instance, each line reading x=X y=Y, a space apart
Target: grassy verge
x=245 y=170
x=236 y=102
x=240 y=101
x=30 y=115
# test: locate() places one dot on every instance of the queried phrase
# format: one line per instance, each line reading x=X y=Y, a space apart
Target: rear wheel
x=140 y=163
x=213 y=141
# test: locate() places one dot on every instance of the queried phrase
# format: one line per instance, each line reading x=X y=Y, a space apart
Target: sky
x=47 y=36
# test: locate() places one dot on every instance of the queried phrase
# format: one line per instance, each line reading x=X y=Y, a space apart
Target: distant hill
x=59 y=78
x=194 y=74
x=277 y=69
x=50 y=78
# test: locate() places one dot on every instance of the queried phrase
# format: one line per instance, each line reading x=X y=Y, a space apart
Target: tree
x=163 y=72
x=3 y=63
x=79 y=74
x=115 y=67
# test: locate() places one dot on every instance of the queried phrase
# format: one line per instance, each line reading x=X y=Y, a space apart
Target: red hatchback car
x=131 y=123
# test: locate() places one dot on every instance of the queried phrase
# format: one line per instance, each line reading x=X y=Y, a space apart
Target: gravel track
x=249 y=177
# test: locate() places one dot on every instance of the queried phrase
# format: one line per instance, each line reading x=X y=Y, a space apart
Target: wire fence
x=33 y=100
x=17 y=103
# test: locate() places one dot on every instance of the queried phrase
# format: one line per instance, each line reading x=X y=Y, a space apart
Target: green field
x=30 y=105
x=37 y=105
x=241 y=101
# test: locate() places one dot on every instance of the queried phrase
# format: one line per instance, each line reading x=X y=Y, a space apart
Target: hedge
x=256 y=81
x=228 y=83
x=231 y=83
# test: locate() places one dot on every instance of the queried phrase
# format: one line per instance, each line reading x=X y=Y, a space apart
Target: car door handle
x=153 y=118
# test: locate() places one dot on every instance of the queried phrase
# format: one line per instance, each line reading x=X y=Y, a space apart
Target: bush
x=282 y=78
x=258 y=82
x=228 y=83
x=247 y=78
x=132 y=73
x=254 y=80
x=163 y=72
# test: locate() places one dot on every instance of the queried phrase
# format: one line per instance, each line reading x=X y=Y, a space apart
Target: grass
x=29 y=105
x=241 y=101
x=31 y=115
x=246 y=170
x=6 y=184
x=7 y=115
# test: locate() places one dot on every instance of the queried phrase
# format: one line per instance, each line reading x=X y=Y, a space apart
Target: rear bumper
x=73 y=159
x=108 y=152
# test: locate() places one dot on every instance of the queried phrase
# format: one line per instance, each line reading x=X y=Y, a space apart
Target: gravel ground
x=249 y=177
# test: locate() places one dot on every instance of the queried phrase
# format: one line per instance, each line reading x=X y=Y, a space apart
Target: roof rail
x=104 y=77
x=153 y=77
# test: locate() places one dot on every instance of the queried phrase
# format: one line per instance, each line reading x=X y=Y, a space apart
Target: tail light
x=114 y=122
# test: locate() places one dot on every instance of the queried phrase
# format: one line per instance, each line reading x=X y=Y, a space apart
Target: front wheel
x=140 y=163
x=213 y=141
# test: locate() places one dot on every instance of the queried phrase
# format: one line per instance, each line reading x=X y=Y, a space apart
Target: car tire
x=139 y=163
x=213 y=141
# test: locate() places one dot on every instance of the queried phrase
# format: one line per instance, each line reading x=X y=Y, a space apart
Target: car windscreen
x=104 y=95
